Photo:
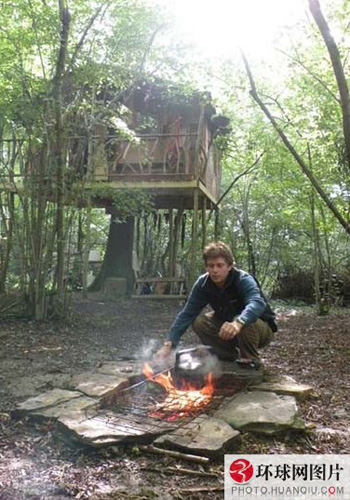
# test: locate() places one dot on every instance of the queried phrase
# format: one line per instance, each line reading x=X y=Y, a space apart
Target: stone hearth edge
x=268 y=406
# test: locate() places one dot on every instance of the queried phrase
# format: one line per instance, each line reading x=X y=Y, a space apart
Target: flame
x=181 y=401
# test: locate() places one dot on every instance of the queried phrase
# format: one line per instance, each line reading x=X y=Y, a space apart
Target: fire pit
x=156 y=405
x=106 y=407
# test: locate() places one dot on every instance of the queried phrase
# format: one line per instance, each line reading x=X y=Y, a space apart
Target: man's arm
x=196 y=301
x=254 y=303
x=254 y=307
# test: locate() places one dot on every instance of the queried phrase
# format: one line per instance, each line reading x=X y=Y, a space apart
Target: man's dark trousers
x=251 y=338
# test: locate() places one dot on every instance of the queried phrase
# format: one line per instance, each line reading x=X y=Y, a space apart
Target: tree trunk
x=302 y=164
x=177 y=229
x=146 y=243
x=59 y=155
x=338 y=70
x=245 y=224
x=204 y=223
x=5 y=247
x=320 y=302
x=117 y=262
x=86 y=250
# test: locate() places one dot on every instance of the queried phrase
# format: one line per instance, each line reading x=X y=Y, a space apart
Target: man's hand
x=228 y=331
x=163 y=355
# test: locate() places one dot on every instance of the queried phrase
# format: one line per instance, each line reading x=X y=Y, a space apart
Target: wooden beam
x=171 y=243
x=198 y=142
x=217 y=222
x=194 y=244
x=204 y=223
x=160 y=280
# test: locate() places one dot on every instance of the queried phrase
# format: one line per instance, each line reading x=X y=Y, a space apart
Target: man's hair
x=218 y=249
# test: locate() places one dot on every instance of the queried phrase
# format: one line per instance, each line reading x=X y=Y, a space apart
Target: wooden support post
x=204 y=222
x=177 y=230
x=138 y=236
x=217 y=222
x=171 y=243
x=194 y=245
x=198 y=142
x=146 y=244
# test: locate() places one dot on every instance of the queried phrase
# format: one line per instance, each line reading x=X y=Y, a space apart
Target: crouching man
x=240 y=316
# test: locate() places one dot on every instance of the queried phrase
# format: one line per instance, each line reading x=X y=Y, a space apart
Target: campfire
x=179 y=402
x=169 y=401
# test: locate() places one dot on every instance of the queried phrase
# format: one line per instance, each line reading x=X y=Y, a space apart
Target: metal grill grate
x=146 y=410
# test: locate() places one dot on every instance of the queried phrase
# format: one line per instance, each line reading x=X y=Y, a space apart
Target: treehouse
x=161 y=142
x=167 y=149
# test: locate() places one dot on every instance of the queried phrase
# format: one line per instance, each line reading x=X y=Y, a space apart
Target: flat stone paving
x=268 y=406
x=283 y=384
x=261 y=412
x=204 y=435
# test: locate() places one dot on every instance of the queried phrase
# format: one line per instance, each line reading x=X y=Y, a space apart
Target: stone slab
x=100 y=430
x=98 y=384
x=283 y=384
x=48 y=399
x=204 y=435
x=261 y=412
x=77 y=406
x=121 y=368
x=92 y=431
x=31 y=385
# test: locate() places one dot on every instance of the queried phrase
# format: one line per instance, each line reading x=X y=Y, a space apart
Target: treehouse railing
x=165 y=154
x=150 y=157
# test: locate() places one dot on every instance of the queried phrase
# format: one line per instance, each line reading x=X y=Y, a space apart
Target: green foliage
x=51 y=92
x=116 y=46
x=266 y=216
x=126 y=203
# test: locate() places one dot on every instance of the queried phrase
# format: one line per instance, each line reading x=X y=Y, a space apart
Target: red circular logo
x=241 y=471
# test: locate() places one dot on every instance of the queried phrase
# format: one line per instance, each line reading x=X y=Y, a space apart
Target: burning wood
x=179 y=402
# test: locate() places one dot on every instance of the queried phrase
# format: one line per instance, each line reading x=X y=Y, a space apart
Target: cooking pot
x=193 y=365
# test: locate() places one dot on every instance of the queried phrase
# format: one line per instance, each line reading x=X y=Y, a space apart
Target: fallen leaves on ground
x=36 y=464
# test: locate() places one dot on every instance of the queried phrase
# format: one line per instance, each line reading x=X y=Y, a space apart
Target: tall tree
x=64 y=67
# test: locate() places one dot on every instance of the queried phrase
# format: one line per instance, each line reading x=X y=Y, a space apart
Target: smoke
x=148 y=353
x=198 y=360
x=147 y=350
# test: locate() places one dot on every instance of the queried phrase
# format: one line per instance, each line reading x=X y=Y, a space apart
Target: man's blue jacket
x=240 y=297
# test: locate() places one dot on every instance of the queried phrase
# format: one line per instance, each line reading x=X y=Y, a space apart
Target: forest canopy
x=67 y=69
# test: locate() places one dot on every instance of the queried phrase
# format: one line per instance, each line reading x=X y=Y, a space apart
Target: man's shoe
x=250 y=364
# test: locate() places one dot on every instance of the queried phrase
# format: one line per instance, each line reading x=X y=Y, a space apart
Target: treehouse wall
x=171 y=157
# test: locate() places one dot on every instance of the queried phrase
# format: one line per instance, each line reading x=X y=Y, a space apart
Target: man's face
x=218 y=270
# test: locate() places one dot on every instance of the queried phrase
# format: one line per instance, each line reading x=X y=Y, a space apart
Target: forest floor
x=35 y=464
